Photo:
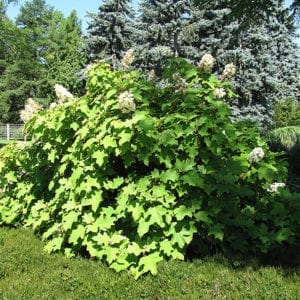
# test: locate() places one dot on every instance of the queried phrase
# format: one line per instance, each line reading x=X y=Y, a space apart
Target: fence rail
x=11 y=132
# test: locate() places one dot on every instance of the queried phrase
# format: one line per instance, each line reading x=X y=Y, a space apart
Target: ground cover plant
x=28 y=272
x=138 y=171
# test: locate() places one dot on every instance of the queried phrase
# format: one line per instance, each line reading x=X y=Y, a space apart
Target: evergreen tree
x=12 y=42
x=4 y=4
x=265 y=56
x=65 y=58
x=252 y=12
x=162 y=25
x=110 y=31
x=209 y=30
x=269 y=68
x=46 y=52
x=27 y=74
x=19 y=72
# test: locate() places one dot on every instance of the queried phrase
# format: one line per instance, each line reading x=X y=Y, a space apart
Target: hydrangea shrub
x=134 y=172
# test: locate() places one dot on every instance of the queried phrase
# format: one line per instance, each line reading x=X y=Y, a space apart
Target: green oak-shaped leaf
x=109 y=142
x=125 y=137
x=155 y=215
x=100 y=157
x=54 y=245
x=143 y=227
x=121 y=263
x=217 y=231
x=149 y=264
x=182 y=211
x=183 y=235
x=283 y=234
x=192 y=178
x=167 y=247
x=169 y=175
x=77 y=233
x=69 y=219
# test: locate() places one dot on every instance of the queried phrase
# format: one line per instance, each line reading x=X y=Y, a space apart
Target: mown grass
x=27 y=272
x=3 y=142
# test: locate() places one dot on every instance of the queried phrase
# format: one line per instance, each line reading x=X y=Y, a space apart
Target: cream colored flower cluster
x=151 y=75
x=256 y=155
x=228 y=72
x=180 y=84
x=207 y=62
x=31 y=108
x=62 y=94
x=219 y=93
x=128 y=58
x=274 y=187
x=126 y=102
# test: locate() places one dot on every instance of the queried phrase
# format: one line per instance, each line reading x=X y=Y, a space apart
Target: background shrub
x=287 y=113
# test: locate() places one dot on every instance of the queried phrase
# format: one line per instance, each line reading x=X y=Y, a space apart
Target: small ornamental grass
x=135 y=172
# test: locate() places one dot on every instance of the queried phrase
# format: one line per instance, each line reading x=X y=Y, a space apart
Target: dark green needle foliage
x=110 y=32
x=161 y=25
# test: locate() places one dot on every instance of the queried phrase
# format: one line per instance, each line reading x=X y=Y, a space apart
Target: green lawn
x=3 y=142
x=27 y=272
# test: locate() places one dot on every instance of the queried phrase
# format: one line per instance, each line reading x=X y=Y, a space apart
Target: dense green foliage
x=27 y=272
x=251 y=12
x=132 y=173
x=46 y=48
x=264 y=54
x=287 y=113
x=288 y=139
x=4 y=4
x=40 y=50
x=286 y=135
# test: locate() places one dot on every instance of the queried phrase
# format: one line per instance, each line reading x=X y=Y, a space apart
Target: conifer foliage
x=162 y=26
x=40 y=50
x=110 y=31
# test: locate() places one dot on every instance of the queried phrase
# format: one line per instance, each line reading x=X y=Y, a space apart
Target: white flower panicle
x=128 y=58
x=62 y=94
x=274 y=187
x=180 y=84
x=31 y=108
x=219 y=93
x=207 y=62
x=256 y=155
x=228 y=72
x=126 y=102
x=151 y=75
x=52 y=105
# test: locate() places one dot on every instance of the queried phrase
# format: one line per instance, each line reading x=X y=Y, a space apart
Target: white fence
x=11 y=132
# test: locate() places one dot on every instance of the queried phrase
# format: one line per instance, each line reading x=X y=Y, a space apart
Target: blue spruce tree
x=110 y=31
x=161 y=25
x=264 y=54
